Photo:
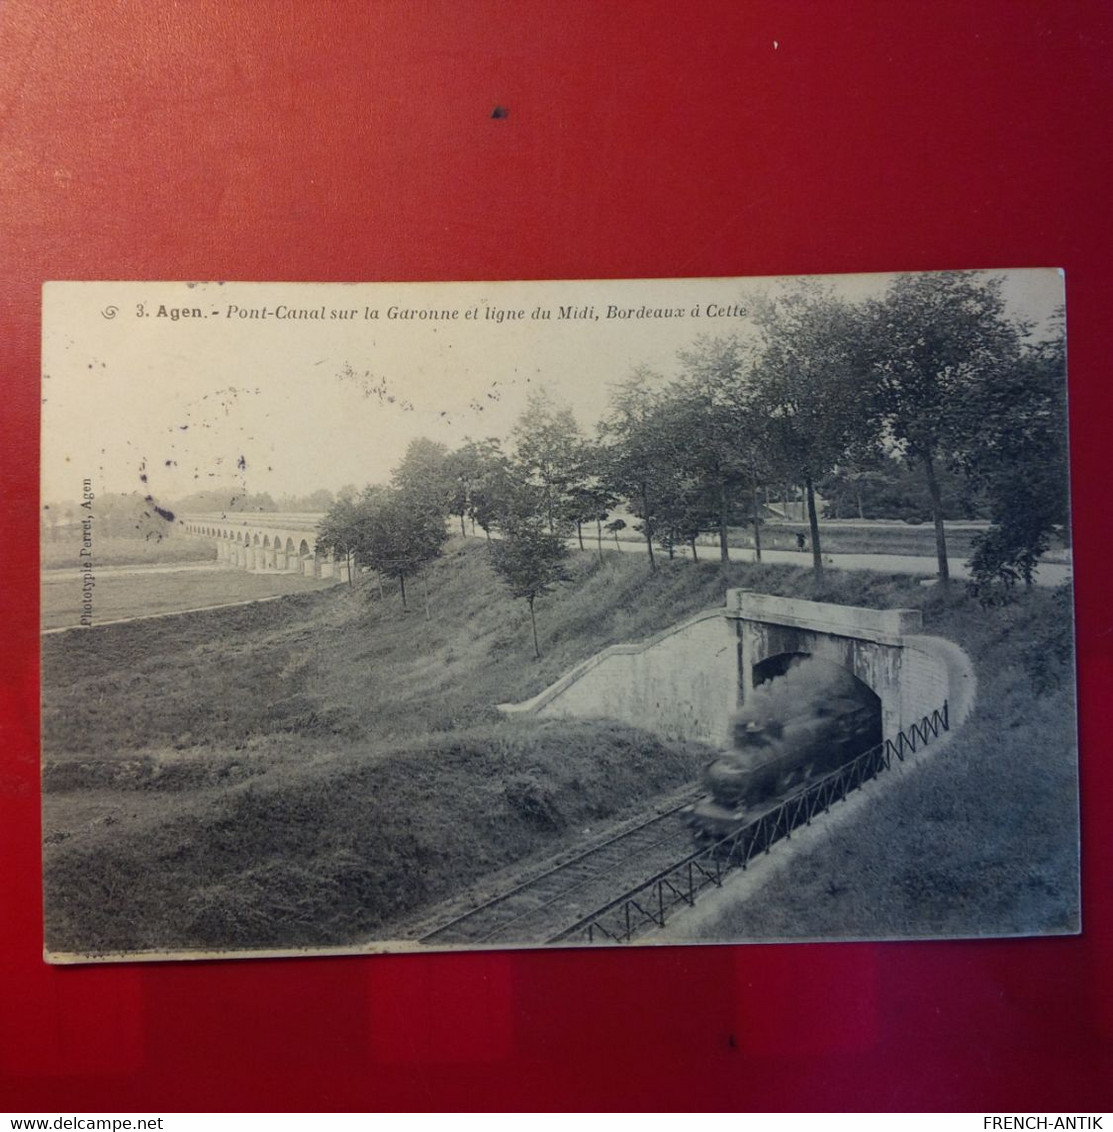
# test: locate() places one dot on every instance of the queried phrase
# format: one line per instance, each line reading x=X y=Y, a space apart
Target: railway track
x=649 y=904
x=543 y=906
x=635 y=879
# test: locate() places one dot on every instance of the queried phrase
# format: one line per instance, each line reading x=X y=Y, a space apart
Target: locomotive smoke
x=807 y=686
x=792 y=729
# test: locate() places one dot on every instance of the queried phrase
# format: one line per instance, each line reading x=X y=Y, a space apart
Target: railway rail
x=677 y=886
x=653 y=867
x=541 y=906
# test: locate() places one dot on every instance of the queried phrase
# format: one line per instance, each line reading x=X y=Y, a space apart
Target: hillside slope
x=307 y=771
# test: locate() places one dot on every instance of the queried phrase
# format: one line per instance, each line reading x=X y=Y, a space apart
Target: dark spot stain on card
x=500 y=112
x=161 y=512
x=377 y=387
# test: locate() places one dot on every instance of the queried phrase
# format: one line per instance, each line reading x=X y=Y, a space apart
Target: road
x=1048 y=574
x=133 y=568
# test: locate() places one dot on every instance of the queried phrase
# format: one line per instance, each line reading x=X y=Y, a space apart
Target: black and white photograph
x=428 y=616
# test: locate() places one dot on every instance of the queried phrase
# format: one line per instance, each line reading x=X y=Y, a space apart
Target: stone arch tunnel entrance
x=690 y=681
x=869 y=644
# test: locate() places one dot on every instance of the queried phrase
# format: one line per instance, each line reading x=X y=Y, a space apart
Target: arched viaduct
x=268 y=543
x=688 y=681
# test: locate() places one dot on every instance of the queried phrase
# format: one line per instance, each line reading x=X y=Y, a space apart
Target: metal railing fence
x=680 y=884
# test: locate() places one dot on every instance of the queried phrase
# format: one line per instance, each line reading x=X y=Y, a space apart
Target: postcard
x=420 y=616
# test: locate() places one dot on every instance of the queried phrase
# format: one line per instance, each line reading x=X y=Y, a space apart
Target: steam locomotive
x=772 y=757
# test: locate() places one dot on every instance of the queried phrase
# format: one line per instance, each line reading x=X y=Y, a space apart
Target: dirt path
x=159 y=616
x=133 y=568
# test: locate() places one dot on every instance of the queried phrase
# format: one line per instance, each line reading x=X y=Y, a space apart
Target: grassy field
x=309 y=770
x=849 y=537
x=842 y=536
x=61 y=553
x=138 y=594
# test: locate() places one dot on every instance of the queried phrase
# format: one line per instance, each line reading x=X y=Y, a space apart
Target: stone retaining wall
x=687 y=682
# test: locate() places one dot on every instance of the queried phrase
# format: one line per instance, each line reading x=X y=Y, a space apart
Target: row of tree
x=220 y=499
x=124 y=516
x=934 y=374
x=881 y=485
x=398 y=529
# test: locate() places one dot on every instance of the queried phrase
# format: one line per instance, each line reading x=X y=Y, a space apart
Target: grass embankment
x=304 y=771
x=307 y=771
x=323 y=851
x=982 y=837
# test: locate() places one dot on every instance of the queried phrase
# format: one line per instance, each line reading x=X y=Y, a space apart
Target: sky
x=258 y=395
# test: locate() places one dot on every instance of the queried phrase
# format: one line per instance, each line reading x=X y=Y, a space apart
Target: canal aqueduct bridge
x=688 y=681
x=268 y=543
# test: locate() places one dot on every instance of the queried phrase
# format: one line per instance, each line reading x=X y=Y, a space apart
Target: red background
x=354 y=141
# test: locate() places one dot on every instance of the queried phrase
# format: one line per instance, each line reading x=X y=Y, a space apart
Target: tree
x=549 y=452
x=927 y=341
x=481 y=480
x=530 y=561
x=338 y=531
x=1015 y=450
x=588 y=503
x=226 y=500
x=723 y=437
x=484 y=484
x=634 y=436
x=320 y=500
x=756 y=455
x=705 y=407
x=809 y=386
x=589 y=500
x=684 y=509
x=882 y=485
x=463 y=469
x=424 y=476
x=398 y=535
